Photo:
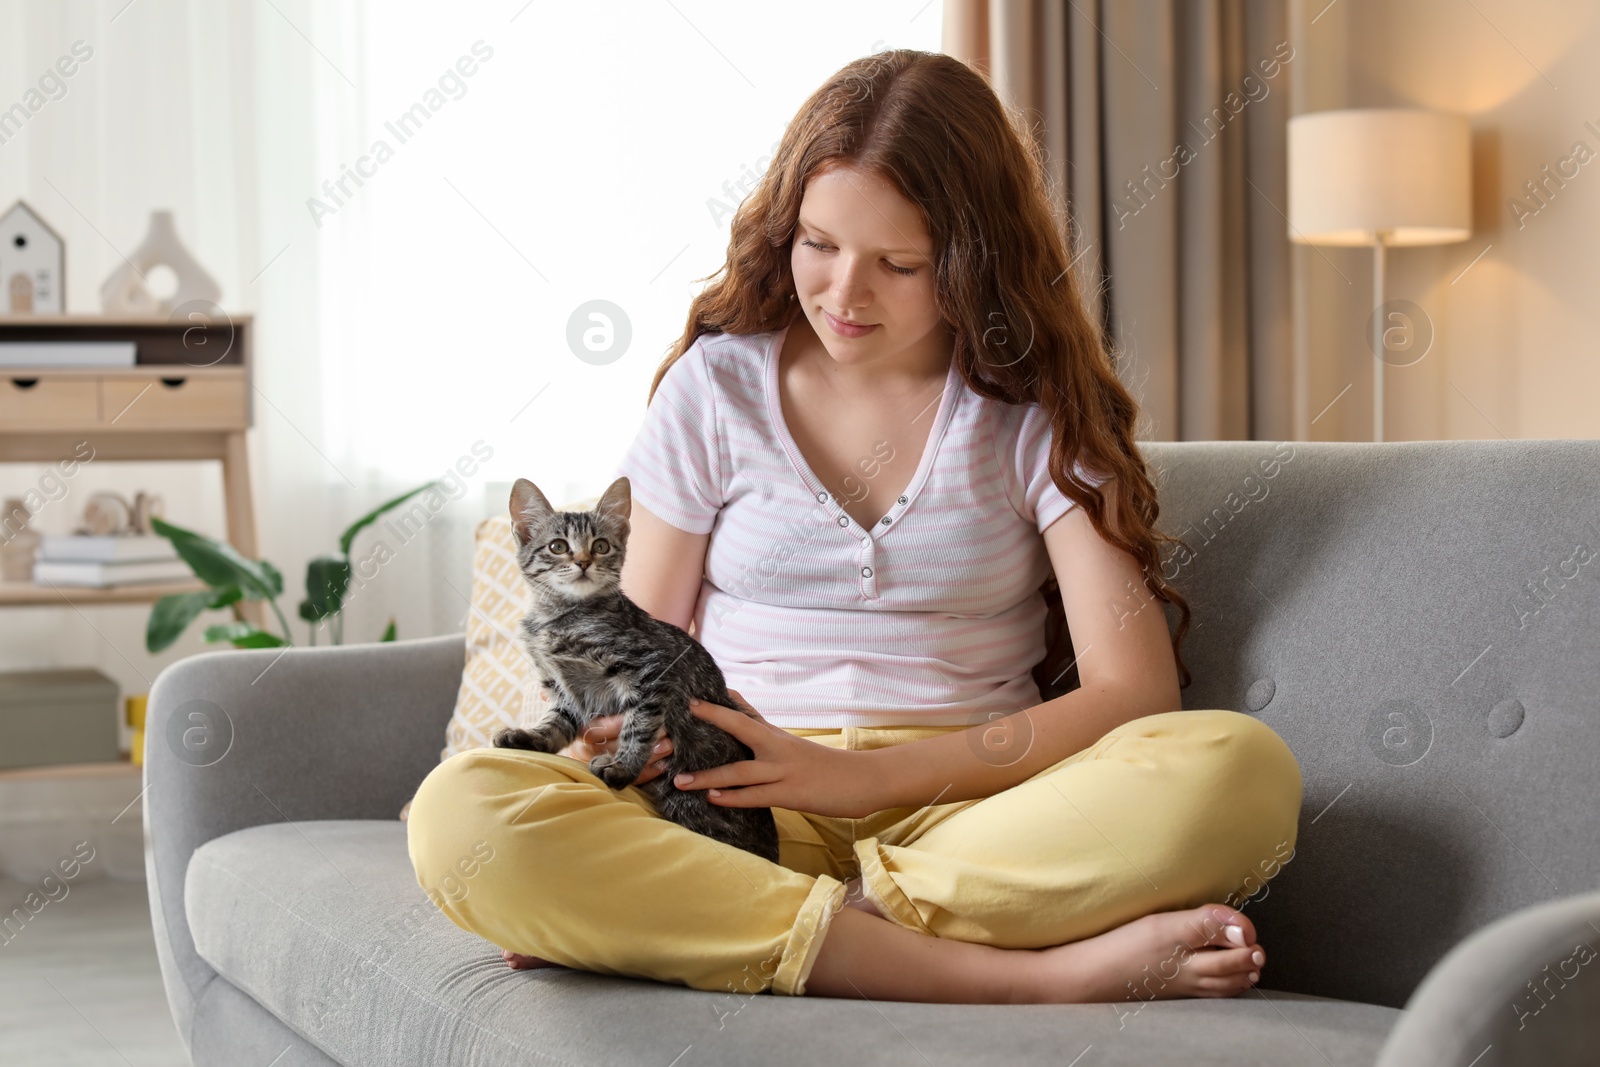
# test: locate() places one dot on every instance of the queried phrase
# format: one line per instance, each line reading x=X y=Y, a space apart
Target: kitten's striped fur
x=599 y=654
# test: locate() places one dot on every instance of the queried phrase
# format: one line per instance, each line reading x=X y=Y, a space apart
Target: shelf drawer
x=177 y=403
x=43 y=402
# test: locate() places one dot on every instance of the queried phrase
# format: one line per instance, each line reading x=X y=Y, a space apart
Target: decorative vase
x=125 y=292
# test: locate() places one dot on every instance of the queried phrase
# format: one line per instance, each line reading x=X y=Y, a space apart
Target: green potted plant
x=232 y=578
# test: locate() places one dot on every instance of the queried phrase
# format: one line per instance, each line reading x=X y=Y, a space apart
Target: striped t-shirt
x=930 y=616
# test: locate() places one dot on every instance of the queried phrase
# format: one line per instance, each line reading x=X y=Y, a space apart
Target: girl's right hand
x=601 y=736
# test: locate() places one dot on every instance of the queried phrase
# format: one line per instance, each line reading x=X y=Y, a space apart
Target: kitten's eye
x=558 y=546
x=600 y=547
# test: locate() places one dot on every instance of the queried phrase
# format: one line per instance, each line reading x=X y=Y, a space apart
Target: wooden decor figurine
x=110 y=514
x=18 y=542
x=32 y=264
x=105 y=514
x=125 y=292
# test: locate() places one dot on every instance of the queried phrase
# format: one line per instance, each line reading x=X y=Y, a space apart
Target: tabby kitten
x=601 y=654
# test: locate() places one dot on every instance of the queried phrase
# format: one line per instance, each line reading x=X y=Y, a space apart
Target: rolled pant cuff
x=882 y=893
x=805 y=939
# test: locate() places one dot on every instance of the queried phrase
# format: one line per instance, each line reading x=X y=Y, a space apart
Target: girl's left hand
x=786 y=771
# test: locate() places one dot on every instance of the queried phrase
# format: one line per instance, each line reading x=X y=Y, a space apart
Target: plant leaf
x=218 y=563
x=389 y=632
x=349 y=536
x=243 y=635
x=171 y=615
x=274 y=576
x=327 y=581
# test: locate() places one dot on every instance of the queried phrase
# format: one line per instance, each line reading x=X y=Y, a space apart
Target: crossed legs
x=1104 y=878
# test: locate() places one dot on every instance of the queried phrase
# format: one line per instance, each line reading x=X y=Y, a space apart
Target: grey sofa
x=1418 y=620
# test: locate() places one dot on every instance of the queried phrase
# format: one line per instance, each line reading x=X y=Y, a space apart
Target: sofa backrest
x=1419 y=621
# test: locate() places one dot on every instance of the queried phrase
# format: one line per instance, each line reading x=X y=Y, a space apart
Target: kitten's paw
x=512 y=738
x=606 y=768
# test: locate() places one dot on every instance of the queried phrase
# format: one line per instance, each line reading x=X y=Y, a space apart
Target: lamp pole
x=1380 y=239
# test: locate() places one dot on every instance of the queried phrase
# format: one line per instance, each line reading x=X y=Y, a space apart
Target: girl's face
x=862 y=256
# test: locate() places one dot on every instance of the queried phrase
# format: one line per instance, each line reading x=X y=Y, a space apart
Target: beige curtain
x=1165 y=125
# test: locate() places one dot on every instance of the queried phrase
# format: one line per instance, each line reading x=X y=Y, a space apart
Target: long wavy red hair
x=934 y=129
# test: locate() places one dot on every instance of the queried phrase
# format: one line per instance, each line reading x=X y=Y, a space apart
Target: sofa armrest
x=1524 y=989
x=244 y=737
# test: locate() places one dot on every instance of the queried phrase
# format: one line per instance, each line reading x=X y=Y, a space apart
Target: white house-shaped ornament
x=32 y=264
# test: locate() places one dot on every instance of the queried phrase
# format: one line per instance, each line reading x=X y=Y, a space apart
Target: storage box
x=57 y=716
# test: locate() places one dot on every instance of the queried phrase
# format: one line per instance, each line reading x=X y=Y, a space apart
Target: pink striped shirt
x=930 y=616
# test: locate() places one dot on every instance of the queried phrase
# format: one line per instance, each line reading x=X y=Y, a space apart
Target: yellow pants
x=535 y=854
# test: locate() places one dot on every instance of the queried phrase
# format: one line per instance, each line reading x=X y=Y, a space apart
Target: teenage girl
x=889 y=423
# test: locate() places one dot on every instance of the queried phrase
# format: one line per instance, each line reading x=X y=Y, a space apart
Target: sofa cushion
x=324 y=925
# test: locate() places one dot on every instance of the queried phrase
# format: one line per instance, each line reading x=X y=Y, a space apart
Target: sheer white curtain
x=415 y=202
x=504 y=167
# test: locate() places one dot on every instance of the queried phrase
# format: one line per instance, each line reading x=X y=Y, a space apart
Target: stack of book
x=102 y=562
x=68 y=353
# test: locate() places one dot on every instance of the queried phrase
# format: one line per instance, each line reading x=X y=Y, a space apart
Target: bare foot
x=523 y=963
x=1209 y=951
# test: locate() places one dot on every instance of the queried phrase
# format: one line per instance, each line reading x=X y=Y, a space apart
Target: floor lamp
x=1385 y=177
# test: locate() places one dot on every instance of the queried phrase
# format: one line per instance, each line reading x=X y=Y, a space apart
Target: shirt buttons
x=843 y=521
x=903 y=500
x=866 y=572
x=884 y=520
x=822 y=498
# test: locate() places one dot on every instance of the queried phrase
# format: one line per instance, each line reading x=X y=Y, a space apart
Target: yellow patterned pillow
x=499 y=686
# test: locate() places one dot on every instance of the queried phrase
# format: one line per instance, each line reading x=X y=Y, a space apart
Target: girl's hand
x=786 y=771
x=601 y=736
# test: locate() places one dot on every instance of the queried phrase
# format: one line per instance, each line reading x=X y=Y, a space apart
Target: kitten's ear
x=528 y=508
x=617 y=500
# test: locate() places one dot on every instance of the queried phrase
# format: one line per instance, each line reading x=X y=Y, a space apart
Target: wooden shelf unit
x=188 y=396
x=22 y=594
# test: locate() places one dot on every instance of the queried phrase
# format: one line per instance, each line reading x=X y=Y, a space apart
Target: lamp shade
x=1401 y=172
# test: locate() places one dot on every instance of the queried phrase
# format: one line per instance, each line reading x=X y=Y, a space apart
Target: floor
x=79 y=983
